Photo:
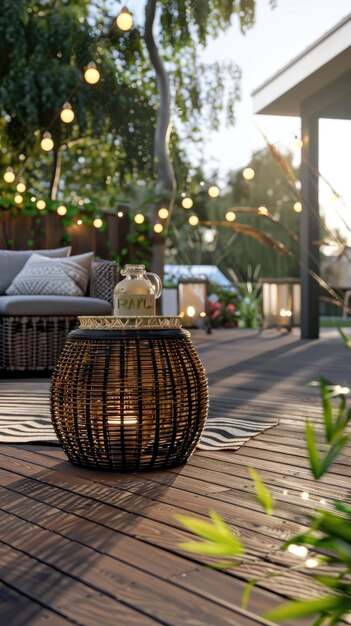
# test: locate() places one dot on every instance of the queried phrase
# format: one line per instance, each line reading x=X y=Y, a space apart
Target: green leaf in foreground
x=304 y=608
x=262 y=493
x=218 y=538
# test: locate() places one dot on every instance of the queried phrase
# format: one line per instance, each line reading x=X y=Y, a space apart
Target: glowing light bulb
x=41 y=204
x=202 y=314
x=120 y=214
x=124 y=20
x=190 y=311
x=61 y=210
x=92 y=74
x=213 y=191
x=9 y=175
x=79 y=222
x=139 y=218
x=163 y=213
x=262 y=210
x=67 y=113
x=47 y=143
x=311 y=562
x=193 y=220
x=248 y=173
x=158 y=228
x=187 y=203
x=298 y=143
x=97 y=223
x=297 y=207
x=230 y=216
x=18 y=198
x=21 y=187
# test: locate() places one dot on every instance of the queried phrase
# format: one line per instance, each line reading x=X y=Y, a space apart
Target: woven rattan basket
x=130 y=398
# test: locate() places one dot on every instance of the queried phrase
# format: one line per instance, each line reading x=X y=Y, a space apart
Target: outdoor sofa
x=34 y=327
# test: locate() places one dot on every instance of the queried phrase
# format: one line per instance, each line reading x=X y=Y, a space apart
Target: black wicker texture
x=33 y=343
x=129 y=400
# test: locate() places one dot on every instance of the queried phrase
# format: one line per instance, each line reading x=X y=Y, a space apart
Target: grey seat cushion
x=53 y=305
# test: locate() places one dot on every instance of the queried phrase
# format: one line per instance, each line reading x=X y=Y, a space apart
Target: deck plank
x=102 y=546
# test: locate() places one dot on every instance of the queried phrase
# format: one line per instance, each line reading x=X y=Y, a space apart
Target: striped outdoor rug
x=25 y=418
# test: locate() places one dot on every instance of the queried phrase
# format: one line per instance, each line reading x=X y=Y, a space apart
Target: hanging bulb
x=230 y=216
x=213 y=191
x=163 y=213
x=47 y=143
x=20 y=187
x=187 y=203
x=193 y=220
x=41 y=204
x=67 y=113
x=262 y=210
x=120 y=214
x=248 y=173
x=79 y=222
x=9 y=175
x=92 y=74
x=61 y=210
x=97 y=223
x=139 y=218
x=124 y=20
x=18 y=198
x=158 y=228
x=297 y=207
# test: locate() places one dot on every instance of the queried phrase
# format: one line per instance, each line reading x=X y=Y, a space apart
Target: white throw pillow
x=43 y=276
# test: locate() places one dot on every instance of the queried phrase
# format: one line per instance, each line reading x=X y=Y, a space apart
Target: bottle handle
x=158 y=283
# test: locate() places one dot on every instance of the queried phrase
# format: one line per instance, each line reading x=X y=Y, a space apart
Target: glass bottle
x=136 y=294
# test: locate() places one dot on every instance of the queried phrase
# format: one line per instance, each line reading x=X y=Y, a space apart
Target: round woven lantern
x=133 y=397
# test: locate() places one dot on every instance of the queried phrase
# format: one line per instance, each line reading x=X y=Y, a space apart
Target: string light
x=120 y=214
x=158 y=228
x=9 y=175
x=124 y=20
x=213 y=191
x=92 y=74
x=230 y=216
x=193 y=220
x=33 y=199
x=18 y=198
x=163 y=213
x=41 y=204
x=61 y=210
x=187 y=203
x=47 y=143
x=97 y=223
x=297 y=207
x=21 y=187
x=298 y=143
x=67 y=113
x=139 y=218
x=79 y=222
x=248 y=173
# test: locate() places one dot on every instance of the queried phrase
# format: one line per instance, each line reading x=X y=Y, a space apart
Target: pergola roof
x=326 y=60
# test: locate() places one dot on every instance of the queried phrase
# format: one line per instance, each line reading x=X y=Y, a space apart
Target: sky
x=276 y=38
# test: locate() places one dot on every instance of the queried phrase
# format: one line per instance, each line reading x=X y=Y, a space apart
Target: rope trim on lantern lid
x=111 y=322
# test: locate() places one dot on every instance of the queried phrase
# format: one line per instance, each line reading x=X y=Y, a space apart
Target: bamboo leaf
x=247 y=592
x=262 y=493
x=206 y=547
x=312 y=450
x=304 y=608
x=333 y=453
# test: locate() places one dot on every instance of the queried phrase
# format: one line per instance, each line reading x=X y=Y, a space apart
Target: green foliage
x=221 y=307
x=217 y=538
x=262 y=493
x=249 y=306
x=328 y=538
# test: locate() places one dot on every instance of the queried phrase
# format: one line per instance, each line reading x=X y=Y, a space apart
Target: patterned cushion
x=53 y=277
x=12 y=261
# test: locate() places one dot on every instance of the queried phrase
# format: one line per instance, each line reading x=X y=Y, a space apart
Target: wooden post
x=310 y=228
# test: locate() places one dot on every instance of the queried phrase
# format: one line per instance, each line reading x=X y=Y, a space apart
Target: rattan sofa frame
x=34 y=343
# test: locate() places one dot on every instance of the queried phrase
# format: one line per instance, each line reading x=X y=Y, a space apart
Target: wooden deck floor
x=89 y=548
